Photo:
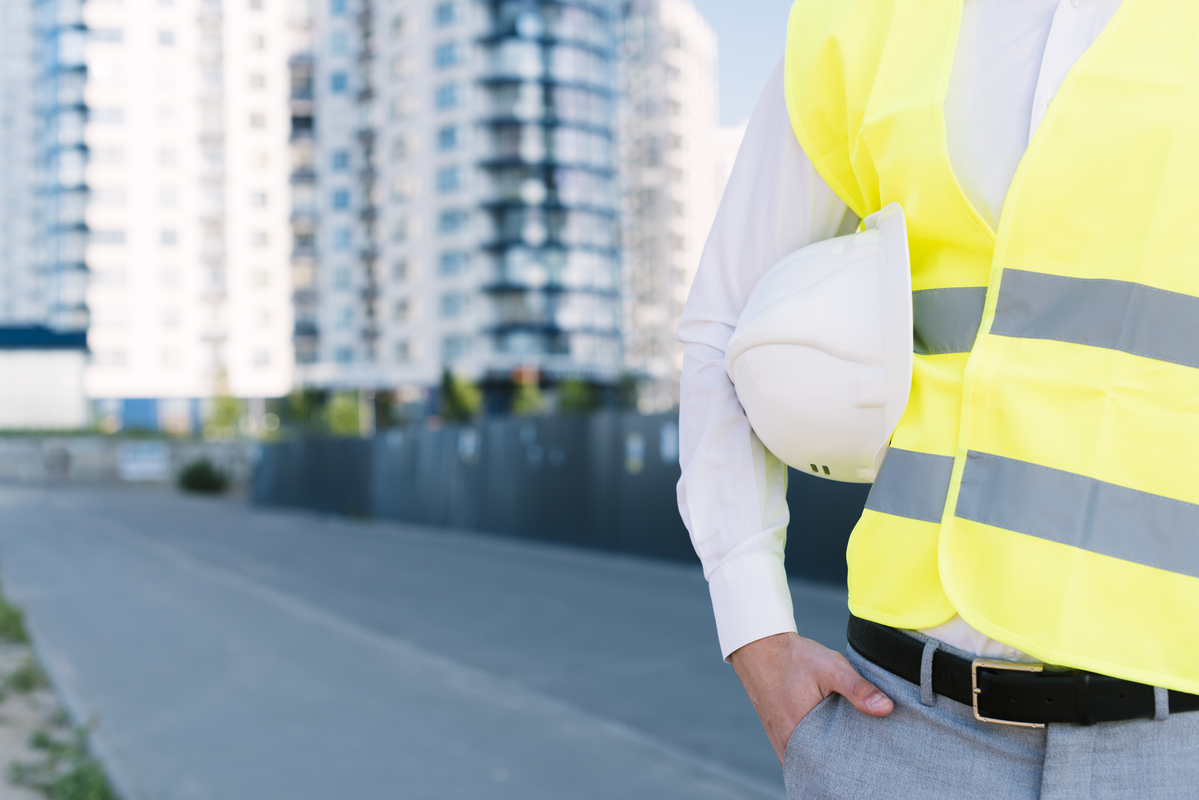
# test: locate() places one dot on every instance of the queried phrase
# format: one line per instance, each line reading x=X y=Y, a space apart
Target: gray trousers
x=941 y=751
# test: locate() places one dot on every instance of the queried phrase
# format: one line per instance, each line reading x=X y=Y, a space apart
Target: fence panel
x=604 y=480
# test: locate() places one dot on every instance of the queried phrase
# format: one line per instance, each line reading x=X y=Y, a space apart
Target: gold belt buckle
x=1009 y=666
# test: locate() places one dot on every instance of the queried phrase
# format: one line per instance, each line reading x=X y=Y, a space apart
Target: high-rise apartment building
x=163 y=195
x=20 y=289
x=465 y=192
x=671 y=180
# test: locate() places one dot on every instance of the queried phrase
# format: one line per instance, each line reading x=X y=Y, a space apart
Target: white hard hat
x=822 y=354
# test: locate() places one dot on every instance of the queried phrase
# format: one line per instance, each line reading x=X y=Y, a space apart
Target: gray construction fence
x=604 y=480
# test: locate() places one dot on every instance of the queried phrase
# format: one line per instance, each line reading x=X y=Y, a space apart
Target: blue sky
x=752 y=34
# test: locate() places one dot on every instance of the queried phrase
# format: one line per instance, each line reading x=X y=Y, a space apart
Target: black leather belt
x=1009 y=692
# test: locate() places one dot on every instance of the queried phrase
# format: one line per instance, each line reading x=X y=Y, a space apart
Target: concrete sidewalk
x=232 y=653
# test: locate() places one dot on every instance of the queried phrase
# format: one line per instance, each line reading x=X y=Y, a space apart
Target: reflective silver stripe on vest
x=946 y=320
x=1114 y=315
x=912 y=485
x=1081 y=512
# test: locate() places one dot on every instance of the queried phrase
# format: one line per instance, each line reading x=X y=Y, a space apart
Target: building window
x=168 y=238
x=454 y=348
x=339 y=43
x=257 y=81
x=107 y=116
x=401 y=67
x=403 y=311
x=108 y=155
x=259 y=238
x=341 y=278
x=345 y=317
x=401 y=106
x=258 y=42
x=108 y=197
x=107 y=237
x=109 y=358
x=337 y=82
x=399 y=230
x=447 y=138
x=446 y=96
x=451 y=222
x=402 y=187
x=167 y=158
x=168 y=198
x=400 y=270
x=258 y=120
x=445 y=55
x=397 y=28
x=343 y=355
x=445 y=13
x=258 y=199
x=452 y=263
x=453 y=305
x=449 y=179
x=342 y=239
x=106 y=35
x=166 y=38
x=399 y=149
x=255 y=5
x=262 y=358
x=337 y=7
x=403 y=351
x=340 y=160
x=341 y=199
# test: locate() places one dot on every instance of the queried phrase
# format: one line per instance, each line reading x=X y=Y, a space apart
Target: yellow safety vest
x=1044 y=481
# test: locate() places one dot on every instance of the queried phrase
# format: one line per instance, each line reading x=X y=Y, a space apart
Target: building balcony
x=502 y=79
x=503 y=161
x=306 y=329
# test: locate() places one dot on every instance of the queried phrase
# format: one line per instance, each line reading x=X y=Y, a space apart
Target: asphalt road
x=226 y=652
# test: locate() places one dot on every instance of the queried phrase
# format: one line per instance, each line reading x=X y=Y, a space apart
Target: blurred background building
x=161 y=146
x=246 y=197
x=464 y=194
x=20 y=289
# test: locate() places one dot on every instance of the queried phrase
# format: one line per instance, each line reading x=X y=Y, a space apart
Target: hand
x=787 y=676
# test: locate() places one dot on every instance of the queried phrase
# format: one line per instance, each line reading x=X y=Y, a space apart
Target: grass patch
x=27 y=678
x=66 y=770
x=12 y=623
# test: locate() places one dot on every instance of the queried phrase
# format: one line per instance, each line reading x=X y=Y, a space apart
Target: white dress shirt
x=1011 y=59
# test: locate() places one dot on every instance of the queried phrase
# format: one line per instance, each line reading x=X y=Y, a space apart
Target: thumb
x=865 y=696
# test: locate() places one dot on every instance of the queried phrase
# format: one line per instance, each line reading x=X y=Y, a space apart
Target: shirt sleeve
x=733 y=492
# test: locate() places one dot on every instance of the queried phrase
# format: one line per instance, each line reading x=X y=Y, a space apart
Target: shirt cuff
x=751 y=599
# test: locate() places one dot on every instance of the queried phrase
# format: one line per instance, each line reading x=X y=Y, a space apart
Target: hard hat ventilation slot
x=816 y=469
x=826 y=472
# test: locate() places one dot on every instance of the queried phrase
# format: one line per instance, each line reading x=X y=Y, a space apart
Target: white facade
x=178 y=208
x=464 y=202
x=672 y=177
x=20 y=289
x=42 y=390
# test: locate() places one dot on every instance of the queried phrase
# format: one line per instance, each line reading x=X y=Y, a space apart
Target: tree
x=577 y=397
x=460 y=399
x=342 y=414
x=626 y=392
x=527 y=399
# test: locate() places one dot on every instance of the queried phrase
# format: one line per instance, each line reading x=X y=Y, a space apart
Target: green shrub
x=65 y=769
x=27 y=678
x=201 y=476
x=12 y=623
x=460 y=399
